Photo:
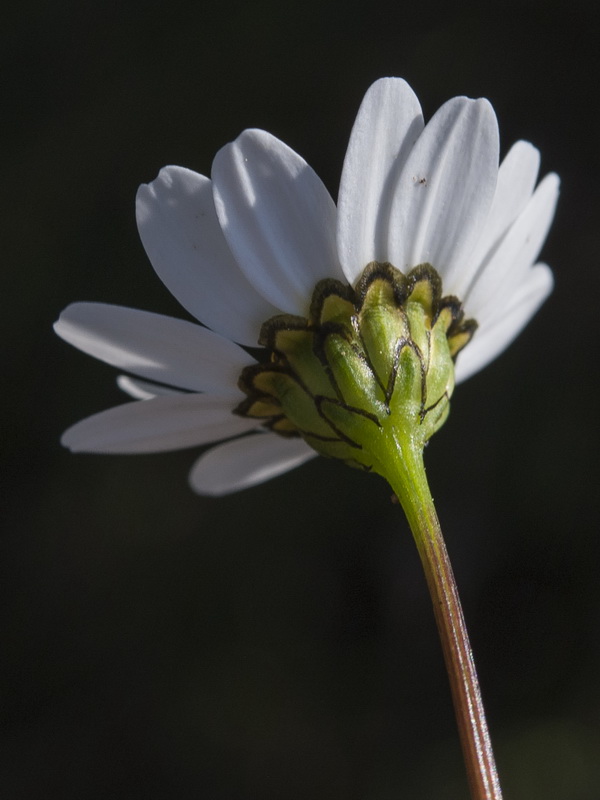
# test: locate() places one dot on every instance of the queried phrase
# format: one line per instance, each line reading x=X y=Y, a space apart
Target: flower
x=253 y=241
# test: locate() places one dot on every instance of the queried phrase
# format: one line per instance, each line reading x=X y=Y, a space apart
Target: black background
x=280 y=643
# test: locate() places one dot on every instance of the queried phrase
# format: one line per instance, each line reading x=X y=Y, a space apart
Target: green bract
x=370 y=368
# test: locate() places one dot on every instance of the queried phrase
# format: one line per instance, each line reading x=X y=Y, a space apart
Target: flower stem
x=412 y=490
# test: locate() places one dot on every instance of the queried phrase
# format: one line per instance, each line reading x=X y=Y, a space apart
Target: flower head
x=251 y=244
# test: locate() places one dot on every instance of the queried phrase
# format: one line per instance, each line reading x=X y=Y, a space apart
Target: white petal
x=516 y=181
x=143 y=390
x=180 y=231
x=508 y=266
x=247 y=462
x=278 y=217
x=154 y=346
x=492 y=338
x=388 y=123
x=158 y=424
x=446 y=189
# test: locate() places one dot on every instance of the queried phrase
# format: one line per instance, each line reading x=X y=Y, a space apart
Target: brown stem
x=411 y=488
x=466 y=695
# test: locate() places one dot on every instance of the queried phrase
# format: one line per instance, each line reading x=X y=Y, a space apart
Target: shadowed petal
x=143 y=390
x=389 y=122
x=247 y=462
x=161 y=423
x=516 y=181
x=495 y=335
x=278 y=218
x=508 y=266
x=445 y=190
x=153 y=346
x=180 y=231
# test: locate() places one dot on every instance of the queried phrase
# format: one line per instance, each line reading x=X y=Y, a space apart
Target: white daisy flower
x=254 y=240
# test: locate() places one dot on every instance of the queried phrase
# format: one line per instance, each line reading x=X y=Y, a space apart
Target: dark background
x=280 y=643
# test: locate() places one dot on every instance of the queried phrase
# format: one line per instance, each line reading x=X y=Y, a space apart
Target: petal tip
x=68 y=442
x=554 y=181
x=63 y=324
